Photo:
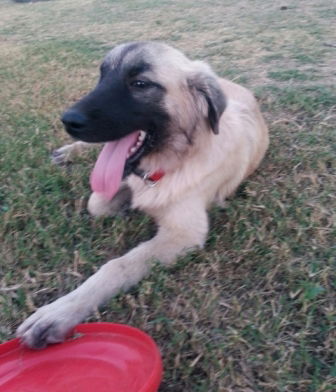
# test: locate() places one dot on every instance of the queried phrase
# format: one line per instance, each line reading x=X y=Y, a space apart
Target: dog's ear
x=205 y=85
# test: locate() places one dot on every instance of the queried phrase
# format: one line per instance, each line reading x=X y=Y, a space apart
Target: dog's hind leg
x=181 y=227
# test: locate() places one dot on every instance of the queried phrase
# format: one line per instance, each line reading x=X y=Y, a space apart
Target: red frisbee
x=102 y=357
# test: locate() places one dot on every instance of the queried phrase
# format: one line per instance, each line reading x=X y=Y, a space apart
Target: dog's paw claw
x=61 y=155
x=41 y=334
x=49 y=324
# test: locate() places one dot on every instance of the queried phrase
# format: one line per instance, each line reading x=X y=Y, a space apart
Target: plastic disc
x=101 y=357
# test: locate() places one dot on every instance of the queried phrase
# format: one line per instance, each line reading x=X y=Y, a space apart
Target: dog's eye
x=141 y=84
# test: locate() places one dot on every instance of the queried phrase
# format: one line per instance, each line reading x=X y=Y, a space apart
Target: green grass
x=253 y=311
x=289 y=74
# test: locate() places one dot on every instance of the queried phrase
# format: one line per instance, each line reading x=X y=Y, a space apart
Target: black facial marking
x=127 y=49
x=135 y=70
x=118 y=62
x=104 y=67
x=116 y=107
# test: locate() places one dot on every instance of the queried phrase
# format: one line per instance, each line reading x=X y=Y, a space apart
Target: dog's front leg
x=181 y=228
x=68 y=151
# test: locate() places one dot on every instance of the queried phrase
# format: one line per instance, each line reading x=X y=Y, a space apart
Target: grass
x=255 y=310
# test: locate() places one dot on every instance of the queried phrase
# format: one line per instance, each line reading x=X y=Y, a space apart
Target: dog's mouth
x=116 y=159
x=138 y=149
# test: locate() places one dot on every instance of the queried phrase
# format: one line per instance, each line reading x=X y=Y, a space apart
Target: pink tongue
x=107 y=173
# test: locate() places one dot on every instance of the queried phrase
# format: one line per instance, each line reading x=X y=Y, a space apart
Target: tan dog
x=167 y=121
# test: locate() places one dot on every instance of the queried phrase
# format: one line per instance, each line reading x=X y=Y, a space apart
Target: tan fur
x=197 y=175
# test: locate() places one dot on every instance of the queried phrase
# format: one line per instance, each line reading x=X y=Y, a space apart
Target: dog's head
x=148 y=87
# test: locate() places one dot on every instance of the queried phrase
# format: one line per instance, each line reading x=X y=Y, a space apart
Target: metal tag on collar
x=152 y=179
x=148 y=180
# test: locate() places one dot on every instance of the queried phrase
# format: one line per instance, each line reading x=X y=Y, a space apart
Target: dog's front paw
x=49 y=324
x=61 y=155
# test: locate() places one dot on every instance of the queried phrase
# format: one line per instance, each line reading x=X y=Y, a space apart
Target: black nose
x=75 y=122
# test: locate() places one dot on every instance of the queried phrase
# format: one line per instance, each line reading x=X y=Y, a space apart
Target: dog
x=178 y=139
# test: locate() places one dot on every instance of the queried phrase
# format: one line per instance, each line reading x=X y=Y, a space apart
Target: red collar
x=150 y=179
